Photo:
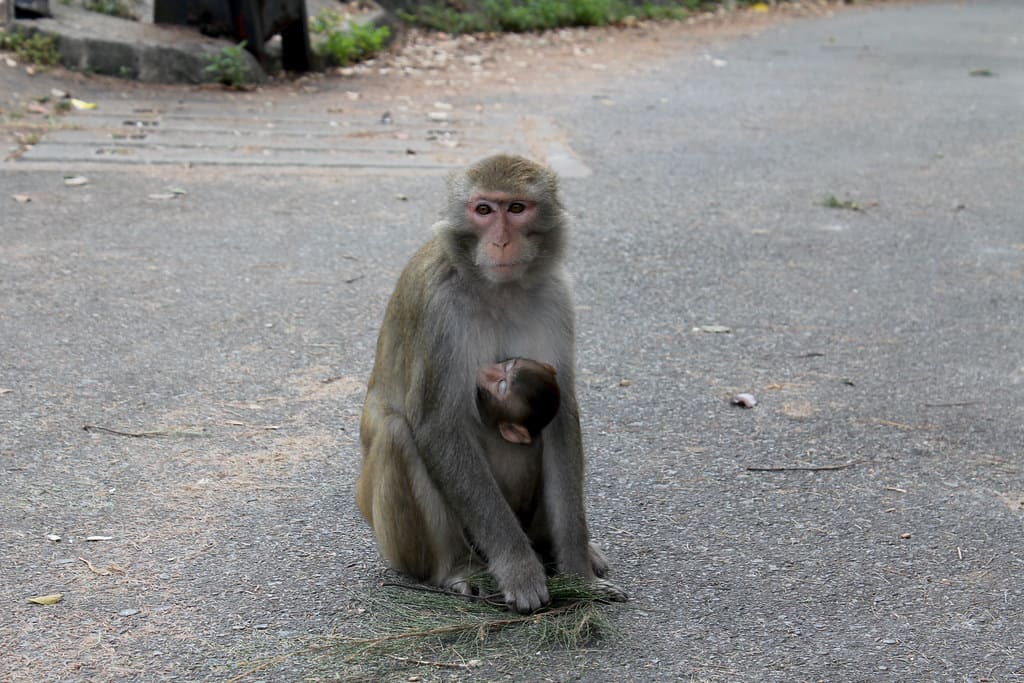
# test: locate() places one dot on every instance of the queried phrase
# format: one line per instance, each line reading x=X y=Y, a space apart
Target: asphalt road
x=864 y=522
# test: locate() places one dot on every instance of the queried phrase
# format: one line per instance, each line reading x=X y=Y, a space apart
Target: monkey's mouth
x=506 y=272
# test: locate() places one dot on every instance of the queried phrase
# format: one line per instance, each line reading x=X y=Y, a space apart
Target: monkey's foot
x=461 y=585
x=609 y=590
x=598 y=560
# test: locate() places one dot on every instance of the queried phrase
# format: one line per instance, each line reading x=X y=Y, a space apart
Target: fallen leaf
x=81 y=104
x=38 y=109
x=51 y=599
x=759 y=7
x=21 y=198
x=163 y=195
x=713 y=329
x=75 y=181
x=99 y=538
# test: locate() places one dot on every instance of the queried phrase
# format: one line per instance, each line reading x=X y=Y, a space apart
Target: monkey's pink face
x=502 y=223
x=496 y=378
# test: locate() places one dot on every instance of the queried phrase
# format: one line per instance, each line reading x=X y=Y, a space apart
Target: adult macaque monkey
x=518 y=398
x=489 y=285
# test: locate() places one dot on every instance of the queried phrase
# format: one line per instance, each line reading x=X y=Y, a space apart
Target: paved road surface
x=864 y=522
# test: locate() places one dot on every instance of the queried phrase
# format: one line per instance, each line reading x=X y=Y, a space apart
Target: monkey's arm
x=458 y=466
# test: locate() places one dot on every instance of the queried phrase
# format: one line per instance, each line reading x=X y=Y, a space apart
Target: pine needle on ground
x=410 y=628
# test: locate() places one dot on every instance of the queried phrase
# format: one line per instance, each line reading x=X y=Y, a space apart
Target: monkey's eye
x=516 y=207
x=502 y=386
x=482 y=209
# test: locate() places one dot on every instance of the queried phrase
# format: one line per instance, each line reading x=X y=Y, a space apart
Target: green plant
x=447 y=19
x=833 y=202
x=36 y=47
x=540 y=15
x=228 y=66
x=113 y=8
x=341 y=44
x=663 y=12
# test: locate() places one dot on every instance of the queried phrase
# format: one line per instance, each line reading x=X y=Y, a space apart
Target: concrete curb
x=151 y=53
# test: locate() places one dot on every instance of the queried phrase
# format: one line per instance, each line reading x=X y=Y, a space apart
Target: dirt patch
x=424 y=65
x=419 y=68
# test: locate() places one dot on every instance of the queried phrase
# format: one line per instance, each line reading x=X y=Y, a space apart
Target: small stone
x=744 y=400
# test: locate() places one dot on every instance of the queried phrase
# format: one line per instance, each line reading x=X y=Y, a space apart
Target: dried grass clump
x=413 y=627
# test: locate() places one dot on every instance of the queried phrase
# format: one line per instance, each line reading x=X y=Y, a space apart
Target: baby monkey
x=518 y=397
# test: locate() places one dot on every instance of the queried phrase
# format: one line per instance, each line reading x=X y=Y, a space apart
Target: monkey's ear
x=514 y=433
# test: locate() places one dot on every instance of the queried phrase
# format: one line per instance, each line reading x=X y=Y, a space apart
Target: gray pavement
x=862 y=523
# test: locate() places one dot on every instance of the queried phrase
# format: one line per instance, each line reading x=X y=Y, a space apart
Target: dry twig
x=812 y=468
x=489 y=598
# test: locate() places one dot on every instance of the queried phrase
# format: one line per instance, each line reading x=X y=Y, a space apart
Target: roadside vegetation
x=112 y=8
x=518 y=16
x=339 y=42
x=228 y=67
x=35 y=48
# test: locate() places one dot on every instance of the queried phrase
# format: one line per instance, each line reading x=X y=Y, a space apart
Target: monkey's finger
x=527 y=601
x=598 y=560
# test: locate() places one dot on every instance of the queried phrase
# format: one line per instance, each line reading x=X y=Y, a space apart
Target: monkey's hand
x=524 y=583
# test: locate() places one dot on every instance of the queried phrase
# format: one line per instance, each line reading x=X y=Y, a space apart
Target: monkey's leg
x=540 y=536
x=417 y=533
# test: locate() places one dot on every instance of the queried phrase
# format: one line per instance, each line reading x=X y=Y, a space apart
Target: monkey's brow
x=502 y=201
